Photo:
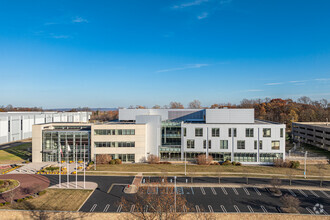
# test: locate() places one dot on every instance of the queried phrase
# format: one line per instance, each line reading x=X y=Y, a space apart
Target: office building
x=171 y=134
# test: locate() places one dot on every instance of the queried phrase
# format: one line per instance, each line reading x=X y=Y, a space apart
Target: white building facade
x=174 y=134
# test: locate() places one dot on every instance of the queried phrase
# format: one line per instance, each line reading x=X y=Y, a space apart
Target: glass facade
x=270 y=157
x=245 y=157
x=65 y=145
x=124 y=157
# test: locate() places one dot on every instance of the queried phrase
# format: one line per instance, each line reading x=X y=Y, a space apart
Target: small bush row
x=115 y=161
x=24 y=199
x=286 y=164
x=226 y=163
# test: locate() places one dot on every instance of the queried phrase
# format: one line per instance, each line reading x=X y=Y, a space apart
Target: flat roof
x=315 y=124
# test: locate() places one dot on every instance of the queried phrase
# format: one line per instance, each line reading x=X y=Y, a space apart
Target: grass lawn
x=15 y=154
x=311 y=169
x=54 y=199
x=6 y=185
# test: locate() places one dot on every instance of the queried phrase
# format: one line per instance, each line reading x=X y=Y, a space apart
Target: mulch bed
x=29 y=184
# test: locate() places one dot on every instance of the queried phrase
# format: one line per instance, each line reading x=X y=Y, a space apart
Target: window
x=256 y=145
x=245 y=157
x=8 y=125
x=114 y=144
x=249 y=132
x=281 y=132
x=223 y=144
x=215 y=132
x=198 y=132
x=190 y=143
x=204 y=144
x=22 y=125
x=275 y=145
x=229 y=132
x=184 y=132
x=114 y=132
x=241 y=145
x=266 y=132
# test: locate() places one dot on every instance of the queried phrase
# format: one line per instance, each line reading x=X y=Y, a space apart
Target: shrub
x=1 y=204
x=112 y=162
x=91 y=163
x=290 y=201
x=41 y=192
x=294 y=164
x=20 y=200
x=203 y=160
x=52 y=168
x=153 y=159
x=238 y=164
x=164 y=162
x=7 y=203
x=227 y=162
x=233 y=163
x=215 y=163
x=281 y=163
x=118 y=161
x=103 y=158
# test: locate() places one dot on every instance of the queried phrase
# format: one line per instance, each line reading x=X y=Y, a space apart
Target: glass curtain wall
x=72 y=144
x=171 y=141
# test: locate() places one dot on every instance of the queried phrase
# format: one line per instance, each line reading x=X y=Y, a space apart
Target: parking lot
x=107 y=197
x=221 y=199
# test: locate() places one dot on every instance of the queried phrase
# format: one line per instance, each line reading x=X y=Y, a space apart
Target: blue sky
x=64 y=53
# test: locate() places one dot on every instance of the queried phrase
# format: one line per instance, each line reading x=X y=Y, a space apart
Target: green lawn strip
x=163 y=168
x=15 y=154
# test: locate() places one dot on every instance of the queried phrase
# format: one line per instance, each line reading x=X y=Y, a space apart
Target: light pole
x=305 y=164
x=175 y=194
x=185 y=163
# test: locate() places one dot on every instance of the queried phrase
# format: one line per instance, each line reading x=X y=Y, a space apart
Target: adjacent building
x=314 y=133
x=172 y=134
x=16 y=126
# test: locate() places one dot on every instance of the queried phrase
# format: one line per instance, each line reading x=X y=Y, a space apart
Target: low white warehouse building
x=16 y=126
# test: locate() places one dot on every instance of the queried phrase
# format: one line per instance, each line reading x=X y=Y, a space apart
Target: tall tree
x=176 y=105
x=196 y=104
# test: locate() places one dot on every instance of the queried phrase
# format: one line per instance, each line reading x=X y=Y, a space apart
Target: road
x=106 y=198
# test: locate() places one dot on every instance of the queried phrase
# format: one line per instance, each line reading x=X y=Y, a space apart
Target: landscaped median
x=52 y=199
x=9 y=184
x=207 y=170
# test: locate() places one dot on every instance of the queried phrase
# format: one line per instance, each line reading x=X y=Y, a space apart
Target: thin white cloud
x=60 y=36
x=254 y=90
x=297 y=81
x=273 y=84
x=189 y=4
x=203 y=15
x=79 y=20
x=190 y=66
x=323 y=79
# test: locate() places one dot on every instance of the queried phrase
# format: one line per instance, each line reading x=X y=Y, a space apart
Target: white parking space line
x=257 y=191
x=197 y=208
x=292 y=193
x=223 y=208
x=264 y=209
x=203 y=191
x=279 y=209
x=236 y=208
x=184 y=208
x=132 y=208
x=235 y=191
x=314 y=193
x=250 y=208
x=310 y=211
x=93 y=208
x=213 y=190
x=324 y=212
x=267 y=190
x=119 y=208
x=106 y=208
x=324 y=193
x=146 y=208
x=246 y=191
x=192 y=190
x=210 y=208
x=302 y=192
x=224 y=191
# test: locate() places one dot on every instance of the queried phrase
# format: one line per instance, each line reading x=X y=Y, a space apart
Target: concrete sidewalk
x=72 y=185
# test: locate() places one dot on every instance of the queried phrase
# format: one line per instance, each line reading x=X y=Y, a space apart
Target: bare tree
x=304 y=100
x=196 y=104
x=156 y=107
x=156 y=201
x=176 y=105
x=103 y=158
x=276 y=182
x=320 y=166
x=290 y=203
x=203 y=160
x=153 y=159
x=289 y=173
